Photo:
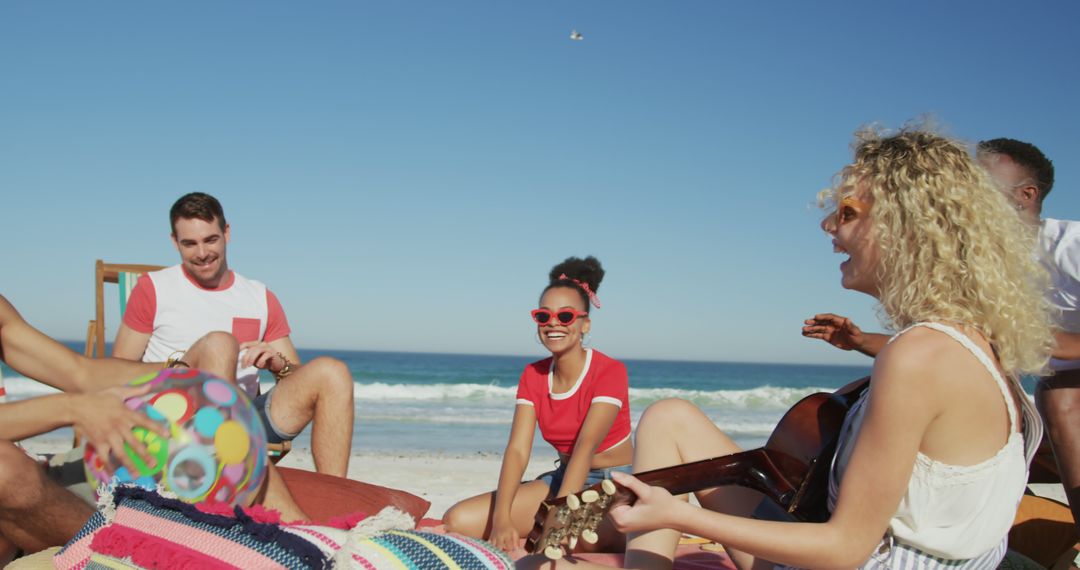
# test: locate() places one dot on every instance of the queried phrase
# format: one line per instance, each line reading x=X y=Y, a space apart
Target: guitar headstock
x=559 y=523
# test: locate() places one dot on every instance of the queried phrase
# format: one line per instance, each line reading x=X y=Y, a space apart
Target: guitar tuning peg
x=590 y=536
x=608 y=486
x=553 y=553
x=573 y=542
x=573 y=502
x=589 y=496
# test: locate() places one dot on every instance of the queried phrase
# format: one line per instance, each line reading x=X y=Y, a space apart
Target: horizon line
x=530 y=358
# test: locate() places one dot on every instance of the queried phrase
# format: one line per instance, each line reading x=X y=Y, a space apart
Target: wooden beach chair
x=126 y=275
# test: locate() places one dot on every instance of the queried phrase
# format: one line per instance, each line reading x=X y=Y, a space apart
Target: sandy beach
x=443 y=479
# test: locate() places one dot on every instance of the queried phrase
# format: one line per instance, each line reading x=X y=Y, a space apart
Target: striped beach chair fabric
x=125 y=275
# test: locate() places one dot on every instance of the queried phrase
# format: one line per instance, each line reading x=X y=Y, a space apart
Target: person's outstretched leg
x=35 y=512
x=472 y=516
x=673 y=432
x=275 y=495
x=1058 y=400
x=319 y=392
x=216 y=353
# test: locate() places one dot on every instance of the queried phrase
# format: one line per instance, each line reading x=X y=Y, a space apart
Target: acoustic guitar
x=792 y=470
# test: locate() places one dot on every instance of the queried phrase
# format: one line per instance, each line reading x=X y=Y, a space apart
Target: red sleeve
x=141 y=306
x=612 y=381
x=277 y=326
x=523 y=393
x=533 y=384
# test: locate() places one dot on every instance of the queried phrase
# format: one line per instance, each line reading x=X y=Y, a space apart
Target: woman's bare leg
x=472 y=517
x=673 y=432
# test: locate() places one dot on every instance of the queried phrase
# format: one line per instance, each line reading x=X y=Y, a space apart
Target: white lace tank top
x=951 y=516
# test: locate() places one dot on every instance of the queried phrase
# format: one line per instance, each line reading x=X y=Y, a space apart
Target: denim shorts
x=274 y=434
x=553 y=479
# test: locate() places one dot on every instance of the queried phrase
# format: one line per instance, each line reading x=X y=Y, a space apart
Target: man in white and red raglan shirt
x=170 y=309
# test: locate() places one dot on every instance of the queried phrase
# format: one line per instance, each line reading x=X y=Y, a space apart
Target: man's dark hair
x=199 y=206
x=1029 y=157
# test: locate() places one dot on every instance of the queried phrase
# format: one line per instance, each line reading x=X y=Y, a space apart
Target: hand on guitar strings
x=654 y=508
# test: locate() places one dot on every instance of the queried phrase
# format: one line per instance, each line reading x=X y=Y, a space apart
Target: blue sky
x=404 y=174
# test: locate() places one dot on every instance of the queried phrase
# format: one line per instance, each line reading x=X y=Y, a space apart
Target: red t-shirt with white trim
x=603 y=380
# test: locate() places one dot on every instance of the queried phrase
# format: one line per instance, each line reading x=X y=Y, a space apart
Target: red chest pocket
x=245 y=330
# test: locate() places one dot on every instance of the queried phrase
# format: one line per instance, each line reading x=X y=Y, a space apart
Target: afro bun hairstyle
x=573 y=272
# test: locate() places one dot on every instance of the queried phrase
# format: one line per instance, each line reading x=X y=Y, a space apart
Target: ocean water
x=461 y=404
x=465 y=403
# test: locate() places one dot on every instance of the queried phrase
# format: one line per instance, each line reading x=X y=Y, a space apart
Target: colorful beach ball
x=216 y=449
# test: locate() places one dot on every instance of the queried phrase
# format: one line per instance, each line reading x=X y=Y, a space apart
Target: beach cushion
x=137 y=528
x=140 y=528
x=1042 y=530
x=324 y=497
x=690 y=556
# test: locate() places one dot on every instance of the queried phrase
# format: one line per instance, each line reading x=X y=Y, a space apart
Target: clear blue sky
x=404 y=174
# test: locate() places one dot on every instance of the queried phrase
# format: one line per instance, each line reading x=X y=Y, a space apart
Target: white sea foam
x=763 y=398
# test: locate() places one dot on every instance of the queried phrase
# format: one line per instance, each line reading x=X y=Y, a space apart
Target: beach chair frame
x=124 y=275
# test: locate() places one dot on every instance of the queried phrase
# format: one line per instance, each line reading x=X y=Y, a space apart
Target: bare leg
x=35 y=513
x=472 y=517
x=214 y=353
x=8 y=550
x=672 y=432
x=275 y=495
x=319 y=392
x=1058 y=400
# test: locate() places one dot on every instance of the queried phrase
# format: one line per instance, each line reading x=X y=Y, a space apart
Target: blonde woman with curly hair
x=933 y=457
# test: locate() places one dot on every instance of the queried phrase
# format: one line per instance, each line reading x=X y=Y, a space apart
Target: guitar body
x=792 y=470
x=803 y=445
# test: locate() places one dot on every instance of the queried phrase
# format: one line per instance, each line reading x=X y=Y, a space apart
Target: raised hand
x=843 y=334
x=835 y=330
x=103 y=420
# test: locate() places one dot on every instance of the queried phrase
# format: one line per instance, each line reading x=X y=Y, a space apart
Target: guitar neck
x=755 y=469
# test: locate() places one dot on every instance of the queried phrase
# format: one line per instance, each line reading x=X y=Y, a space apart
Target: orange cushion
x=1042 y=530
x=324 y=497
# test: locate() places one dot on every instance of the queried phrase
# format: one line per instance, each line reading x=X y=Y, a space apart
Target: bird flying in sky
x=574 y=35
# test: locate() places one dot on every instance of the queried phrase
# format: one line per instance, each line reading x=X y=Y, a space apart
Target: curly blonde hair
x=952 y=247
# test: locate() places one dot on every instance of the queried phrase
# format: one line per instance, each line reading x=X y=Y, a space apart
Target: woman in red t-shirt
x=579 y=398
